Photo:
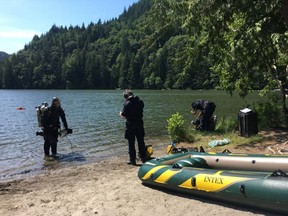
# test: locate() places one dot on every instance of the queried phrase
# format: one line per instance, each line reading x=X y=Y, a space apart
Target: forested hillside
x=3 y=56
x=155 y=44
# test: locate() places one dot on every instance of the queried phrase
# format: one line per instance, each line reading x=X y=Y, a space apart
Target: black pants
x=206 y=115
x=50 y=141
x=135 y=130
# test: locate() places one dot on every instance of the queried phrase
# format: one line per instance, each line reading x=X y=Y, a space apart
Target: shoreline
x=70 y=158
x=108 y=187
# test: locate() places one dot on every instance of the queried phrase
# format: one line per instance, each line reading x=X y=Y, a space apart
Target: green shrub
x=269 y=113
x=226 y=125
x=176 y=129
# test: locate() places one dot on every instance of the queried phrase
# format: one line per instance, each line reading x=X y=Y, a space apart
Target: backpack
x=39 y=112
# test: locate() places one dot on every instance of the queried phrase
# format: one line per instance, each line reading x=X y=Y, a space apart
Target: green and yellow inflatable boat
x=252 y=180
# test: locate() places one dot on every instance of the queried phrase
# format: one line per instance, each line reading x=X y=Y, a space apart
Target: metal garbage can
x=247 y=120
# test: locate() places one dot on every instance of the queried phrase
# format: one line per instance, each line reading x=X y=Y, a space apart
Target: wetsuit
x=51 y=124
x=133 y=112
x=207 y=108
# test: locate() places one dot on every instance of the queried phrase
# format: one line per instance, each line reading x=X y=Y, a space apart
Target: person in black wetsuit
x=133 y=113
x=51 y=125
x=205 y=109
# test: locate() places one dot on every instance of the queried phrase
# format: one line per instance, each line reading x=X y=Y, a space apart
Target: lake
x=98 y=131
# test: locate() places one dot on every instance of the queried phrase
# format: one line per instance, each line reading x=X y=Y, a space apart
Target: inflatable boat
x=258 y=181
x=228 y=161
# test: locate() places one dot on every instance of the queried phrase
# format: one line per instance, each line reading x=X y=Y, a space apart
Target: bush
x=226 y=125
x=269 y=113
x=176 y=129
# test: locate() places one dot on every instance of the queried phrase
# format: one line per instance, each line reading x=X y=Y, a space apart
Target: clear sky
x=20 y=20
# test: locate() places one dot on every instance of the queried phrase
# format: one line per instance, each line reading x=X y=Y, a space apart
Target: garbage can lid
x=246 y=110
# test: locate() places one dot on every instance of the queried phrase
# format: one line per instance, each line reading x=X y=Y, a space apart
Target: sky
x=21 y=20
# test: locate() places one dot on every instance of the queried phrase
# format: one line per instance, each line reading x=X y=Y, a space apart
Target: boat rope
x=70 y=144
x=279 y=148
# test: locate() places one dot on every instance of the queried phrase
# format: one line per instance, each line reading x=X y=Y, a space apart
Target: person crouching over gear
x=51 y=125
x=203 y=109
x=133 y=113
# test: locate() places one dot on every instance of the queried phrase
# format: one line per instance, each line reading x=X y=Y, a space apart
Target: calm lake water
x=98 y=131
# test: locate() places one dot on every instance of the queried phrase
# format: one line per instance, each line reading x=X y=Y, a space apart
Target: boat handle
x=242 y=188
x=193 y=182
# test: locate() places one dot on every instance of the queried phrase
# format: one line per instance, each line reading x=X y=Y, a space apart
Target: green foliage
x=176 y=129
x=146 y=47
x=247 y=42
x=269 y=113
x=226 y=125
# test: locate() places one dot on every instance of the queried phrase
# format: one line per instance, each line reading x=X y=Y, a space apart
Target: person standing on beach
x=132 y=111
x=51 y=124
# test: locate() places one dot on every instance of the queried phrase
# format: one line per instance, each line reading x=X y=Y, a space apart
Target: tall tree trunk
x=284 y=107
x=285 y=11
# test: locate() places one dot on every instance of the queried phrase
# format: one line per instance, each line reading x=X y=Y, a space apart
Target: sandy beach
x=109 y=187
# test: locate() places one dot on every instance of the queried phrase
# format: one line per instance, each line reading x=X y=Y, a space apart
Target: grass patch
x=236 y=141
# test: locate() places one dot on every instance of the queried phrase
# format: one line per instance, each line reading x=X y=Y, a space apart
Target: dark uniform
x=51 y=125
x=206 y=108
x=133 y=113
